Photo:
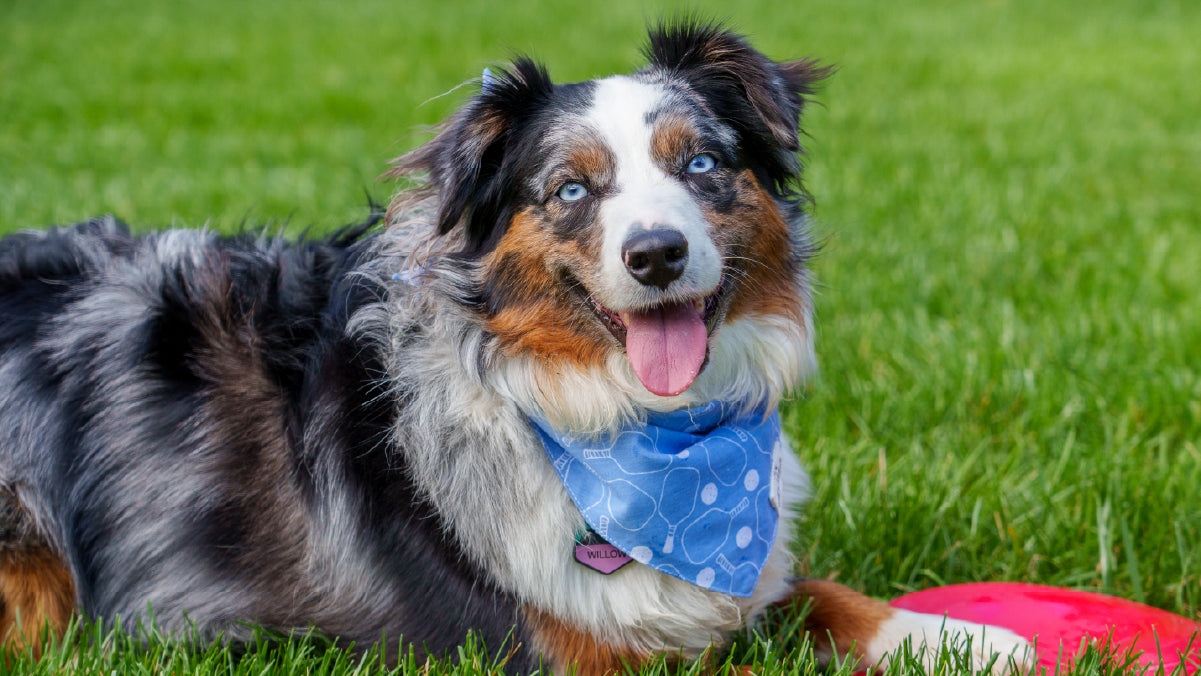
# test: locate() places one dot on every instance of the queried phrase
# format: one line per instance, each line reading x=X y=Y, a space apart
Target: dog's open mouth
x=667 y=344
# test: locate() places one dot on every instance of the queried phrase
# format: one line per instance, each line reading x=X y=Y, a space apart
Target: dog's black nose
x=655 y=257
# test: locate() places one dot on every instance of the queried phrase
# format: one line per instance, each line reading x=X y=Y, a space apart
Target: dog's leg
x=36 y=591
x=846 y=623
x=36 y=594
x=566 y=649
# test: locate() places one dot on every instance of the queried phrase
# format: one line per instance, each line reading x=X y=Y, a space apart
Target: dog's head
x=634 y=216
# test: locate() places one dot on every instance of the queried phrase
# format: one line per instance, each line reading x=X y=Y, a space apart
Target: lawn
x=1008 y=193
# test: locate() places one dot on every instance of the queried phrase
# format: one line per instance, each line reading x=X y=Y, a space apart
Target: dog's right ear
x=468 y=163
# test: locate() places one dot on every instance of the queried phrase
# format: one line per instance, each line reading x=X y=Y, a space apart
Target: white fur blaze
x=644 y=197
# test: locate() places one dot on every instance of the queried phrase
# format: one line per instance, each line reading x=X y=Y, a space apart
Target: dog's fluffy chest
x=473 y=452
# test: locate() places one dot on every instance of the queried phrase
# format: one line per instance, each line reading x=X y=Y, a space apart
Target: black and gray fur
x=190 y=424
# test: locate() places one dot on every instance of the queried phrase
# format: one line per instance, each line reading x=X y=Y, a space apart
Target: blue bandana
x=690 y=494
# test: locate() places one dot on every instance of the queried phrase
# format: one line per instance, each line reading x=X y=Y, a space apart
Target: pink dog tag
x=604 y=558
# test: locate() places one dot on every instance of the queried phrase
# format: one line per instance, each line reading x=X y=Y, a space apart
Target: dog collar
x=692 y=493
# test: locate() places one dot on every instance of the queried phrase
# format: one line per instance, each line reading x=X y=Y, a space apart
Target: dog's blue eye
x=702 y=164
x=570 y=192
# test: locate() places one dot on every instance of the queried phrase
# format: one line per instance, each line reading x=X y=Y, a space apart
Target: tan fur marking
x=541 y=322
x=594 y=161
x=768 y=283
x=568 y=649
x=36 y=587
x=672 y=141
x=538 y=328
x=840 y=619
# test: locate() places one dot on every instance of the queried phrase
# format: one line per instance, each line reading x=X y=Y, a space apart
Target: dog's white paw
x=927 y=634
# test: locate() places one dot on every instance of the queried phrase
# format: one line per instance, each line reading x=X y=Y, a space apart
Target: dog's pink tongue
x=666 y=346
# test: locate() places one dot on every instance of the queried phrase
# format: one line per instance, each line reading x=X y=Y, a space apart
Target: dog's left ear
x=468 y=162
x=761 y=98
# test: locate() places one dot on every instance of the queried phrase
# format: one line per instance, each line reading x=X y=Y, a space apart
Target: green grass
x=1010 y=302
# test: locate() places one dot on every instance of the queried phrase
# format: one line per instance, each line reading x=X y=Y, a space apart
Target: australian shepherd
x=408 y=429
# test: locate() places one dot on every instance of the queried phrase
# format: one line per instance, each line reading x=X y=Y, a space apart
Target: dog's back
x=187 y=425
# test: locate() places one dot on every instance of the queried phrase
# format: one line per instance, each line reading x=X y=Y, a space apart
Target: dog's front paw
x=928 y=634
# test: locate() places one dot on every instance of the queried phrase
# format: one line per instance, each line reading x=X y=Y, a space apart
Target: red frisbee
x=1061 y=619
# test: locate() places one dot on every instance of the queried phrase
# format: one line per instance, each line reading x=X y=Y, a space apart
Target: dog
x=537 y=402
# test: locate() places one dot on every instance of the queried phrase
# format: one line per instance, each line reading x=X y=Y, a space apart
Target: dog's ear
x=469 y=162
x=761 y=98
